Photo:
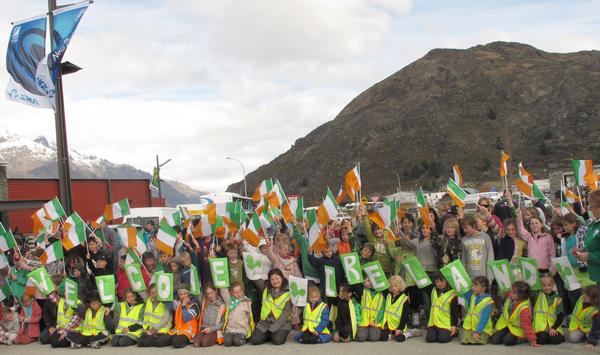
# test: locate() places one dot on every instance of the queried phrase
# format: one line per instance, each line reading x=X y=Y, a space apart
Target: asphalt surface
x=411 y=346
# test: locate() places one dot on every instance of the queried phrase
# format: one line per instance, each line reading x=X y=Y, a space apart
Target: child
x=584 y=315
x=548 y=314
x=328 y=258
x=443 y=316
x=477 y=249
x=511 y=246
x=396 y=312
x=540 y=245
x=236 y=267
x=477 y=326
x=129 y=320
x=157 y=319
x=211 y=319
x=514 y=323
x=348 y=242
x=316 y=318
x=427 y=255
x=9 y=326
x=185 y=324
x=29 y=317
x=238 y=317
x=375 y=235
x=94 y=332
x=276 y=309
x=372 y=310
x=347 y=316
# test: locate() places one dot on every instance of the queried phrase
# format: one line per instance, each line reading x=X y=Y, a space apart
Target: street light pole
x=158 y=166
x=398 y=176
x=243 y=172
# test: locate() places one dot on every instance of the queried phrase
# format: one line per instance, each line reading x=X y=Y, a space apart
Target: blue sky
x=197 y=81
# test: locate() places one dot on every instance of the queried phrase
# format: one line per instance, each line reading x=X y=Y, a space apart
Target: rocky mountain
x=453 y=106
x=26 y=158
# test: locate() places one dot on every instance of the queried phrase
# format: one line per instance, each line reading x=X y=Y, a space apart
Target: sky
x=198 y=81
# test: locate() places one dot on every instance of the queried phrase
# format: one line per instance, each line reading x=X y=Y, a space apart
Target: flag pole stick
x=360 y=187
x=580 y=199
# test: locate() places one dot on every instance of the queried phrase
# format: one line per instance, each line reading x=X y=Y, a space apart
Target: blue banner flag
x=65 y=22
x=26 y=48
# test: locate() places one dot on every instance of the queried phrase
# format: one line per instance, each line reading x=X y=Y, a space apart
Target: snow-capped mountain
x=36 y=158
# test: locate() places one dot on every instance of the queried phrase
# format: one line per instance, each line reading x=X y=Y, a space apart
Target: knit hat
x=183 y=288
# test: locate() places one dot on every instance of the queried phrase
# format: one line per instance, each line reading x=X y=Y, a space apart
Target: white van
x=199 y=208
x=143 y=215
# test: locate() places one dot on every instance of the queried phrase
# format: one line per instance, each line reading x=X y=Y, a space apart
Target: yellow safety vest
x=370 y=306
x=512 y=321
x=312 y=318
x=439 y=316
x=153 y=316
x=64 y=317
x=581 y=318
x=93 y=324
x=352 y=306
x=474 y=314
x=544 y=315
x=129 y=318
x=275 y=306
x=393 y=312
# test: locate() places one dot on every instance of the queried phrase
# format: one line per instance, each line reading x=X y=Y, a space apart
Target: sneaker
x=76 y=346
x=415 y=319
x=95 y=345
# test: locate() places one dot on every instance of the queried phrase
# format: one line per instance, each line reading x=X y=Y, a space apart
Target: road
x=413 y=346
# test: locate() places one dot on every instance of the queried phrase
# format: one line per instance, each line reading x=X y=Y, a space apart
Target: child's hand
x=453 y=331
x=476 y=336
x=106 y=311
x=589 y=346
x=553 y=332
x=398 y=332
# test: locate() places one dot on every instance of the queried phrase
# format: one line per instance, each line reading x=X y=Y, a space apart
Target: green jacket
x=592 y=246
x=307 y=268
x=380 y=252
x=403 y=251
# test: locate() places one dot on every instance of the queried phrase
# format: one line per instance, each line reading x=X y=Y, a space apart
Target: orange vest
x=181 y=327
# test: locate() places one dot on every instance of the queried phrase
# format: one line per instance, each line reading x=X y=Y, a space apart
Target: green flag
x=41 y=279
x=134 y=275
x=106 y=288
x=154 y=182
x=529 y=270
x=5 y=291
x=352 y=268
x=219 y=270
x=330 y=287
x=195 y=288
x=566 y=272
x=503 y=274
x=457 y=276
x=375 y=273
x=298 y=290
x=164 y=286
x=415 y=270
x=71 y=292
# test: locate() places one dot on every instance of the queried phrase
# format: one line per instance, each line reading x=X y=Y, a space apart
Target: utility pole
x=243 y=172
x=158 y=166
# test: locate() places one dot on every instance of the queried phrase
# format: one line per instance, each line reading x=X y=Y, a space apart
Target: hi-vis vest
x=370 y=306
x=189 y=328
x=153 y=316
x=581 y=318
x=129 y=318
x=64 y=317
x=93 y=324
x=544 y=315
x=512 y=320
x=439 y=316
x=353 y=306
x=275 y=306
x=474 y=314
x=312 y=318
x=393 y=312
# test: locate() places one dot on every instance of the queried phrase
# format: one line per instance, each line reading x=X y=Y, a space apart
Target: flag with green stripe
x=7 y=239
x=456 y=192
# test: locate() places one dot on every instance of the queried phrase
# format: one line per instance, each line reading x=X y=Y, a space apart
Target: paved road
x=414 y=346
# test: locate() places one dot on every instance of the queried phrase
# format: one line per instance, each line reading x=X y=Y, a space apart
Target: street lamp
x=243 y=172
x=398 y=176
x=158 y=166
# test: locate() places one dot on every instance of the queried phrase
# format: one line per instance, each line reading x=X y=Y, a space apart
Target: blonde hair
x=398 y=281
x=453 y=222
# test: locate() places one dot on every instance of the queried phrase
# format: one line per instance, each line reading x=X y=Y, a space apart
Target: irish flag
x=457 y=175
x=265 y=187
x=116 y=210
x=174 y=219
x=340 y=196
x=166 y=238
x=384 y=216
x=131 y=238
x=423 y=208
x=504 y=164
x=277 y=196
x=328 y=209
x=526 y=184
x=568 y=195
x=40 y=220
x=456 y=192
x=315 y=233
x=52 y=253
x=7 y=239
x=584 y=174
x=54 y=210
x=352 y=183
x=98 y=222
x=74 y=232
x=5 y=291
x=297 y=207
x=252 y=232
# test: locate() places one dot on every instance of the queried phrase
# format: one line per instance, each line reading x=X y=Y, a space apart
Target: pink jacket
x=540 y=247
x=33 y=322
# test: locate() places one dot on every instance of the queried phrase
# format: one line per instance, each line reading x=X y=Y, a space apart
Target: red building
x=89 y=196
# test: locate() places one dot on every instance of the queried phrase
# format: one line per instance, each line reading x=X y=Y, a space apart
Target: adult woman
x=591 y=252
x=275 y=315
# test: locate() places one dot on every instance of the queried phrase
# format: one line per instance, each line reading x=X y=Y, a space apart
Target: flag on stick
x=456 y=192
x=457 y=175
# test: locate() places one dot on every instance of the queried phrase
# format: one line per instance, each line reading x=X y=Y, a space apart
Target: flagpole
x=580 y=199
x=359 y=174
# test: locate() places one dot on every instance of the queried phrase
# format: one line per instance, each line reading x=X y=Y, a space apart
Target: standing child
x=396 y=312
x=477 y=326
x=514 y=323
x=238 y=317
x=347 y=317
x=477 y=249
x=584 y=315
x=29 y=317
x=9 y=326
x=372 y=309
x=316 y=318
x=548 y=314
x=443 y=317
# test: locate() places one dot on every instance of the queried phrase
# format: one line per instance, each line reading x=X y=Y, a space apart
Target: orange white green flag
x=54 y=210
x=423 y=208
x=316 y=241
x=264 y=188
x=328 y=209
x=116 y=210
x=526 y=184
x=584 y=174
x=52 y=253
x=166 y=238
x=251 y=233
x=40 y=221
x=385 y=215
x=458 y=179
x=74 y=232
x=352 y=183
x=7 y=239
x=456 y=192
x=504 y=164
